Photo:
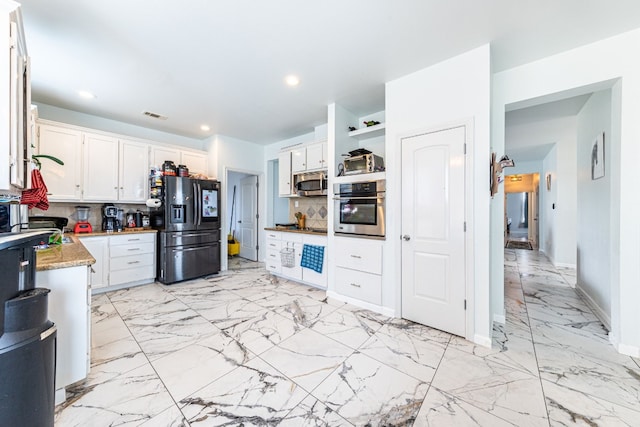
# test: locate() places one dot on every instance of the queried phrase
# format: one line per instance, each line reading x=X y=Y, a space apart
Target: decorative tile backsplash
x=314 y=209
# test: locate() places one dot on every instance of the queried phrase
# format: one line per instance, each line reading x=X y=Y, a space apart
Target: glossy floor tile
x=245 y=348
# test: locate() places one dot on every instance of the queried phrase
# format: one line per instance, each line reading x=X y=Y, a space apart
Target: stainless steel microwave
x=363 y=163
x=310 y=184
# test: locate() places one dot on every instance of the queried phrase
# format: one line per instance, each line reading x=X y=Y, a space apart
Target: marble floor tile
x=116 y=357
x=408 y=353
x=254 y=394
x=421 y=331
x=506 y=393
x=307 y=357
x=171 y=417
x=351 y=328
x=441 y=409
x=313 y=413
x=569 y=407
x=187 y=370
x=305 y=311
x=367 y=392
x=262 y=331
x=128 y=399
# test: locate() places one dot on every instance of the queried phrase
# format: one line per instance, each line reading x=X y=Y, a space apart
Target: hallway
x=584 y=380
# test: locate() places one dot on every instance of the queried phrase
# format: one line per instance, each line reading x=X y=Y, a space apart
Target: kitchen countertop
x=114 y=233
x=62 y=256
x=296 y=230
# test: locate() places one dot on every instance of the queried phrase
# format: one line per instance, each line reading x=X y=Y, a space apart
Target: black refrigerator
x=188 y=221
x=27 y=336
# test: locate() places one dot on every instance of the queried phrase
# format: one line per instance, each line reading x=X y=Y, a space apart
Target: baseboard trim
x=627 y=350
x=597 y=310
x=362 y=304
x=564 y=265
x=500 y=318
x=481 y=340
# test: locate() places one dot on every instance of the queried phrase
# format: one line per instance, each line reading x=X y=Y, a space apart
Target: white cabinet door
x=284 y=173
x=317 y=156
x=100 y=168
x=64 y=182
x=160 y=154
x=196 y=162
x=98 y=247
x=299 y=160
x=133 y=171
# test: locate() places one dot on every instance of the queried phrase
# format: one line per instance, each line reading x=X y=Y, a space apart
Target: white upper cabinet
x=64 y=182
x=100 y=168
x=284 y=173
x=160 y=154
x=309 y=158
x=196 y=162
x=317 y=156
x=133 y=171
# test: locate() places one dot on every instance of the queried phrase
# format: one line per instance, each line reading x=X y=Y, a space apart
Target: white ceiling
x=223 y=62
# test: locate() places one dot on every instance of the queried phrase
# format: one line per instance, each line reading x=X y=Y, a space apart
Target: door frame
x=224 y=221
x=469 y=182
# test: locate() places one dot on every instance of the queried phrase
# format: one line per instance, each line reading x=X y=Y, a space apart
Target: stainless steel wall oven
x=360 y=208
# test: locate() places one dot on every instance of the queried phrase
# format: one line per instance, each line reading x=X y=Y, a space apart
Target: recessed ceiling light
x=292 y=80
x=86 y=94
x=205 y=128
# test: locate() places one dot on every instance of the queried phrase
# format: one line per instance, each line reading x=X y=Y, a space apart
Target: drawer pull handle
x=134 y=249
x=356 y=256
x=355 y=285
x=133 y=262
x=132 y=240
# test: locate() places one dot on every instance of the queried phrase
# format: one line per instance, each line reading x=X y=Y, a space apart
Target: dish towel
x=36 y=196
x=312 y=257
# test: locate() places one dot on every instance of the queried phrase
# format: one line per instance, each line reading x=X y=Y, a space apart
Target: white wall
x=227 y=154
x=560 y=162
x=57 y=114
x=594 y=210
x=455 y=90
x=608 y=63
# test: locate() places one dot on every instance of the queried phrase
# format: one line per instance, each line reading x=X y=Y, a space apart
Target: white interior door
x=248 y=218
x=533 y=218
x=433 y=248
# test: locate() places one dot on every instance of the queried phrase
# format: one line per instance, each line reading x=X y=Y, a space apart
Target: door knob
x=406 y=237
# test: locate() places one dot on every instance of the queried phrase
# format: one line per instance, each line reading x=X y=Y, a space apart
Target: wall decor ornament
x=548 y=177
x=597 y=157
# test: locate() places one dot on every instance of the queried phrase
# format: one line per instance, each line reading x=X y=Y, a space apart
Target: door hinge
x=257 y=247
x=465 y=226
x=465 y=304
x=465 y=148
x=257 y=216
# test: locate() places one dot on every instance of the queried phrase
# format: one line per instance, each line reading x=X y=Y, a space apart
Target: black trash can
x=27 y=361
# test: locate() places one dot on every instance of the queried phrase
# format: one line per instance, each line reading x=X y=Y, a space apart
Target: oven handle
x=380 y=196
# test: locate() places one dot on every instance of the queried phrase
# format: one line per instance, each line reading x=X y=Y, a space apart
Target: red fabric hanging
x=36 y=196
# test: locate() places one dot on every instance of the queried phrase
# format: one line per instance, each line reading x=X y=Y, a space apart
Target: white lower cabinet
x=125 y=259
x=359 y=269
x=277 y=241
x=70 y=310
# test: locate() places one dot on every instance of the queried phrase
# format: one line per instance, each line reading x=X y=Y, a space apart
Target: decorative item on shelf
x=352 y=128
x=370 y=123
x=301 y=220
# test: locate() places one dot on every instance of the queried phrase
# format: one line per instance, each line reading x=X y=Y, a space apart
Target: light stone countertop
x=296 y=230
x=63 y=256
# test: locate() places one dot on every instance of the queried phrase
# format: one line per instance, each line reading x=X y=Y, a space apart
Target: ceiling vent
x=154 y=115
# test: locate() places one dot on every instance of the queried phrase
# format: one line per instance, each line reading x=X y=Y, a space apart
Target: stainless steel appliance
x=189 y=224
x=359 y=208
x=363 y=163
x=58 y=222
x=110 y=218
x=13 y=217
x=310 y=184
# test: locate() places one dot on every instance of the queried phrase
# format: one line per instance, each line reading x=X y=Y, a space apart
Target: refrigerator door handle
x=199 y=203
x=196 y=201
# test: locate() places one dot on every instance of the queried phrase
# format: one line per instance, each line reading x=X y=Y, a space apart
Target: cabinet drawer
x=272 y=256
x=132 y=275
x=132 y=249
x=133 y=261
x=273 y=266
x=360 y=285
x=273 y=235
x=132 y=238
x=275 y=245
x=364 y=256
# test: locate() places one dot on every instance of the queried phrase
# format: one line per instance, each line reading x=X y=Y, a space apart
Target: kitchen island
x=65 y=270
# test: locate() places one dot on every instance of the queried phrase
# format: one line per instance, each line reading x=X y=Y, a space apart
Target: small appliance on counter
x=110 y=220
x=83 y=225
x=58 y=222
x=362 y=161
